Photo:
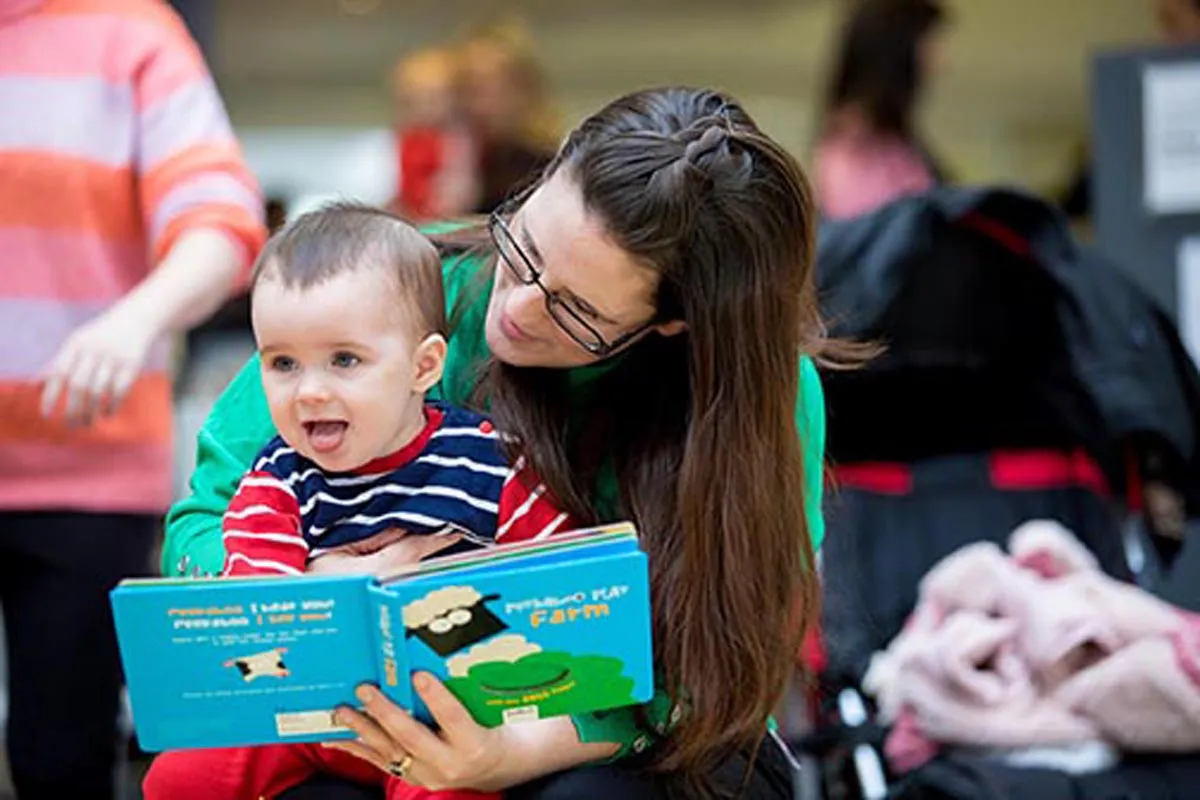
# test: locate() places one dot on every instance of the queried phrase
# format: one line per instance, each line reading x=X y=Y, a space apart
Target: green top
x=239 y=426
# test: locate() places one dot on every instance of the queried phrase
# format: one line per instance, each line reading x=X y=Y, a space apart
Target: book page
x=507 y=552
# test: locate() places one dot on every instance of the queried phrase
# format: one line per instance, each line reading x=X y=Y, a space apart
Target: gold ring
x=399 y=768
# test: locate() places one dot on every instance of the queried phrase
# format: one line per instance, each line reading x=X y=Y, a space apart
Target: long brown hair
x=699 y=427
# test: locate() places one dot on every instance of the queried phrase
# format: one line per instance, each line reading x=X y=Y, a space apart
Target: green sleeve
x=810 y=423
x=633 y=728
x=236 y=429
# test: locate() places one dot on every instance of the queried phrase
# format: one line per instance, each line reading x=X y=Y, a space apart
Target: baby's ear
x=428 y=362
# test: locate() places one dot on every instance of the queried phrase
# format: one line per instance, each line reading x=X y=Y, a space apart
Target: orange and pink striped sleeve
x=189 y=166
x=115 y=142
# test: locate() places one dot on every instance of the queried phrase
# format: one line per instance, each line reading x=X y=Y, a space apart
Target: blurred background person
x=1178 y=26
x=126 y=215
x=868 y=150
x=435 y=152
x=1179 y=21
x=508 y=103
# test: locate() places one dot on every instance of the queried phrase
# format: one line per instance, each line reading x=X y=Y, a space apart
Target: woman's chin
x=501 y=347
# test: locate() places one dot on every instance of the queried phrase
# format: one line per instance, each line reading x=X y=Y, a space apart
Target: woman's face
x=579 y=263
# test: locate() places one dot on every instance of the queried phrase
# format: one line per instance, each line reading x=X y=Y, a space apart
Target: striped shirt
x=453 y=477
x=113 y=142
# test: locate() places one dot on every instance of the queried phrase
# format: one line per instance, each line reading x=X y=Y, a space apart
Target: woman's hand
x=97 y=364
x=461 y=754
x=382 y=554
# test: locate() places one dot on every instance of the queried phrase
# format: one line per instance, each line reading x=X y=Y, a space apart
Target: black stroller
x=1022 y=378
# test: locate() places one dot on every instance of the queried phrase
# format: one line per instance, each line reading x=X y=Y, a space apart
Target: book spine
x=390 y=651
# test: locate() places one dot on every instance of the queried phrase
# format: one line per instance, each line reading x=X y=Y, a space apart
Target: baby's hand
x=383 y=554
x=373 y=544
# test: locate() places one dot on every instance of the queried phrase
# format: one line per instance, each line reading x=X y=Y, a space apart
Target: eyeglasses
x=567 y=318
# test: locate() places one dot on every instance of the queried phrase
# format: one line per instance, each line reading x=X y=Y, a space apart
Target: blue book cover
x=516 y=632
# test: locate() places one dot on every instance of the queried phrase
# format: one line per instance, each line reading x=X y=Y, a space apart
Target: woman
x=868 y=152
x=643 y=320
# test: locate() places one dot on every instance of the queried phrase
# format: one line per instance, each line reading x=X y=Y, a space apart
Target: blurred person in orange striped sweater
x=126 y=215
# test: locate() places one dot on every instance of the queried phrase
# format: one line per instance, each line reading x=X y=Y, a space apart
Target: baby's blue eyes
x=339 y=361
x=346 y=360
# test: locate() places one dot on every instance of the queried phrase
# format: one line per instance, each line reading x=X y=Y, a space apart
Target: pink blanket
x=1037 y=648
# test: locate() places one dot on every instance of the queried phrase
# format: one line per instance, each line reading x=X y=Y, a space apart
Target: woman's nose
x=527 y=307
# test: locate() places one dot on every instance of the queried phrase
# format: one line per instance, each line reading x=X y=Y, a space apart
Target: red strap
x=1009 y=470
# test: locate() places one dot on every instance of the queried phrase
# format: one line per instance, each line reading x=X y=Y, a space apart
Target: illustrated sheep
x=511 y=647
x=451 y=618
x=268 y=664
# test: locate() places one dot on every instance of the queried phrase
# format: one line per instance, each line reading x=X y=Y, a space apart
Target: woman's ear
x=428 y=362
x=672 y=328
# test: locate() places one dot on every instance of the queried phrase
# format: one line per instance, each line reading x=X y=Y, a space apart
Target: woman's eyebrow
x=531 y=248
x=535 y=255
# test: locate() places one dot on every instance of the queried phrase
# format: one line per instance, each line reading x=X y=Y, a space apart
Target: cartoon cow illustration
x=268 y=664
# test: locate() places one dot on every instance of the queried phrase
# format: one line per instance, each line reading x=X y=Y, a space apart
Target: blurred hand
x=382 y=554
x=97 y=365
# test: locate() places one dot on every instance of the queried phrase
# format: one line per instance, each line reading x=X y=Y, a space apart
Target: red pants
x=252 y=773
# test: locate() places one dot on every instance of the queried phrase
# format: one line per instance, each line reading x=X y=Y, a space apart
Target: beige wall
x=1011 y=101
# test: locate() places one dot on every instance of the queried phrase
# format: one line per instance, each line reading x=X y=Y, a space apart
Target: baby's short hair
x=344 y=237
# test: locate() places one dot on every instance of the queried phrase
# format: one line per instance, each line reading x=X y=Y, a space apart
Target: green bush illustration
x=557 y=683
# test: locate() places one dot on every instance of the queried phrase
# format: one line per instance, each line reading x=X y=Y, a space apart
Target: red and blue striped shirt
x=453 y=477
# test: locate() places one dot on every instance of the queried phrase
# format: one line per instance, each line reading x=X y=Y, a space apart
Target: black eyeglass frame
x=555 y=305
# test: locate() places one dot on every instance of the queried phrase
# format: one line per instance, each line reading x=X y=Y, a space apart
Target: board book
x=516 y=632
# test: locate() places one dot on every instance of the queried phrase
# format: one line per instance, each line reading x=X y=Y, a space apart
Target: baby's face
x=339 y=367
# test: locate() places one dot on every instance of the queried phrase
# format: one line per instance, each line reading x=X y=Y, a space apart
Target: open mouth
x=325 y=436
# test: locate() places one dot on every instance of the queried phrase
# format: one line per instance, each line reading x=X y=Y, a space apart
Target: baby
x=349 y=319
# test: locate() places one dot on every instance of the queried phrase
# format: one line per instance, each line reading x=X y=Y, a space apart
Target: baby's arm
x=261 y=528
x=527 y=511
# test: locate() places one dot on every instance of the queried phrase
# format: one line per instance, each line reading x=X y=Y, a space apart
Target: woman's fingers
x=412 y=771
x=450 y=714
x=371 y=736
x=463 y=754
x=403 y=734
